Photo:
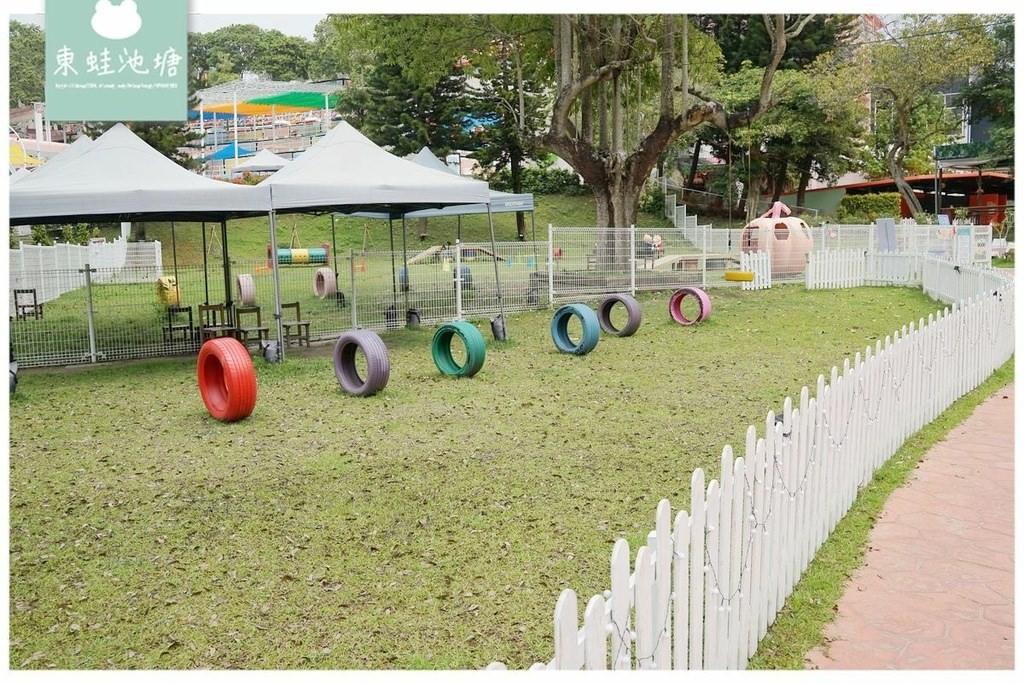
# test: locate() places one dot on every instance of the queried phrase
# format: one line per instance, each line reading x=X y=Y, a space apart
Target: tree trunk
x=693 y=163
x=805 y=178
x=780 y=179
x=515 y=155
x=894 y=160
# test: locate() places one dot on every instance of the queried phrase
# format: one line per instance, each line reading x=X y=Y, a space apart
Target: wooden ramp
x=486 y=251
x=425 y=254
x=692 y=261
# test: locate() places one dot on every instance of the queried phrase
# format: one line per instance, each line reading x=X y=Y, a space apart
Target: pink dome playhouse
x=789 y=239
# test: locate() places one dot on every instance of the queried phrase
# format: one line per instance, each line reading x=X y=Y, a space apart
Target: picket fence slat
x=705 y=588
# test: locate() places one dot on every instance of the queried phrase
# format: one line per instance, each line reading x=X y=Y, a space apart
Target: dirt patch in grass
x=430 y=526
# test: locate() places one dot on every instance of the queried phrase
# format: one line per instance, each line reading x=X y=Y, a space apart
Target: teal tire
x=441 y=349
x=560 y=331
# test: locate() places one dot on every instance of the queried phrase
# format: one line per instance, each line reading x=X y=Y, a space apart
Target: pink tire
x=246 y=290
x=324 y=283
x=703 y=304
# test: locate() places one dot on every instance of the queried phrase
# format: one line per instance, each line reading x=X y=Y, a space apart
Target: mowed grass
x=431 y=526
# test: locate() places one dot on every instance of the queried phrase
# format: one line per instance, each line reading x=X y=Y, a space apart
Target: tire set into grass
x=633 y=313
x=378 y=363
x=441 y=349
x=703 y=303
x=227 y=379
x=560 y=332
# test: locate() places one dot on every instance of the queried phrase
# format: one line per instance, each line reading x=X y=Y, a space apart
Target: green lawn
x=430 y=526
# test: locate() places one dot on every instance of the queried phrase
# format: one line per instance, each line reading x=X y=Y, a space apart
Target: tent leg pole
x=405 y=265
x=206 y=274
x=334 y=243
x=227 y=269
x=458 y=235
x=394 y=284
x=533 y=229
x=498 y=325
x=174 y=252
x=279 y=327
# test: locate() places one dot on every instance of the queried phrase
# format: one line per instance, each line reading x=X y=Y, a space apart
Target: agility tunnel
x=441 y=349
x=675 y=305
x=560 y=329
x=287 y=256
x=227 y=379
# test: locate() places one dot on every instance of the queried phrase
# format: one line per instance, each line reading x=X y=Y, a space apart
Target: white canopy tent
x=118 y=177
x=346 y=172
x=264 y=161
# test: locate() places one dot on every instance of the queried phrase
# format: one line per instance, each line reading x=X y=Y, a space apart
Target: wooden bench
x=179 y=327
x=26 y=304
x=248 y=333
x=214 y=322
x=295 y=328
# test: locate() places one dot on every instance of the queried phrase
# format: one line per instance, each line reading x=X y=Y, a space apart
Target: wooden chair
x=214 y=322
x=179 y=328
x=248 y=333
x=294 y=328
x=26 y=304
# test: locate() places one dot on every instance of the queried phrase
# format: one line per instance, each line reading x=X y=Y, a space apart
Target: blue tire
x=560 y=331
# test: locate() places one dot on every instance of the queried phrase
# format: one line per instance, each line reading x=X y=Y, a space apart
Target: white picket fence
x=704 y=589
x=760 y=264
x=855 y=268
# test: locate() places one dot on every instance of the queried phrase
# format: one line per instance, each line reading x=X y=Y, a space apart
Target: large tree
x=27 y=64
x=601 y=67
x=905 y=76
x=991 y=94
x=405 y=115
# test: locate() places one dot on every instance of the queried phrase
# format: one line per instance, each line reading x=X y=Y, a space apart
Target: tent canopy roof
x=262 y=162
x=345 y=171
x=119 y=177
x=228 y=152
x=501 y=202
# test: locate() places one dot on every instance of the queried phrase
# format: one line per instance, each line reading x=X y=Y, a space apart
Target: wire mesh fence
x=134 y=307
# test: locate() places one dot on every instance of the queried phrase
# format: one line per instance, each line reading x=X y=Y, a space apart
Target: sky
x=300 y=25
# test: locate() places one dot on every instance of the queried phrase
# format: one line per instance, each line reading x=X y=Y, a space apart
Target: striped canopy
x=289 y=102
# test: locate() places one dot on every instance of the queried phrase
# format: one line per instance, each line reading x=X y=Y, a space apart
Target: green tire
x=441 y=349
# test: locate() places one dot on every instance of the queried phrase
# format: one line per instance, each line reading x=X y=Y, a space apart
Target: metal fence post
x=352 y=277
x=632 y=260
x=89 y=312
x=704 y=257
x=551 y=266
x=458 y=279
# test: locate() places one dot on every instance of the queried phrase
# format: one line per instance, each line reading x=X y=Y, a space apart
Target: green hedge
x=865 y=208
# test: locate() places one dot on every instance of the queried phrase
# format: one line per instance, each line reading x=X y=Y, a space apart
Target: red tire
x=227 y=379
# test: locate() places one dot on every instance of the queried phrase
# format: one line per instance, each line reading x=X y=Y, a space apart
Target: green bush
x=865 y=208
x=652 y=199
x=541 y=181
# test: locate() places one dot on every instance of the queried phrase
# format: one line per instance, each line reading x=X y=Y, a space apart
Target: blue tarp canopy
x=193 y=114
x=228 y=152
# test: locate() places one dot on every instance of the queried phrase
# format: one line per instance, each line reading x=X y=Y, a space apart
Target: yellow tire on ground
x=739 y=276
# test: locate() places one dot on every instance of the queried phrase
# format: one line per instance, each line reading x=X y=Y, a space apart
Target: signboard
x=885 y=234
x=116 y=60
